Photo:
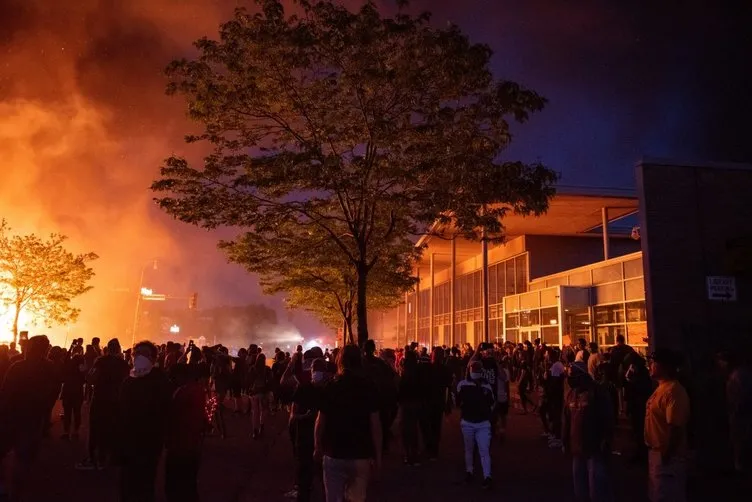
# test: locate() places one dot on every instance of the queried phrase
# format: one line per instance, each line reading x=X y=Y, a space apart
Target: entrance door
x=529 y=334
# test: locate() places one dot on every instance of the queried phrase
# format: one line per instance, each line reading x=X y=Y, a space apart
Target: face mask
x=476 y=376
x=142 y=366
x=318 y=376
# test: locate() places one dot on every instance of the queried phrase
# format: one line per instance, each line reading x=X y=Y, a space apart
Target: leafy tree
x=41 y=277
x=316 y=277
x=361 y=127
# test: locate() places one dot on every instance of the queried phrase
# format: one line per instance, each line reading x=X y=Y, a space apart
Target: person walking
x=348 y=430
x=587 y=434
x=475 y=399
x=666 y=420
x=260 y=381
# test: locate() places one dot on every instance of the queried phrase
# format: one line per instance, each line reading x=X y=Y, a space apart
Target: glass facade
x=610 y=301
x=617 y=296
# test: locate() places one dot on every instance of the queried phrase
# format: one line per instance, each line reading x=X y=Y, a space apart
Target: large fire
x=84 y=126
x=25 y=322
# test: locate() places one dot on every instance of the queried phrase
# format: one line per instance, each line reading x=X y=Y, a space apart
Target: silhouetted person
x=74 y=378
x=186 y=425
x=144 y=401
x=106 y=376
x=25 y=396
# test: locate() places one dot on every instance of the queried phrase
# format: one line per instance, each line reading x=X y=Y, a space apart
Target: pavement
x=238 y=469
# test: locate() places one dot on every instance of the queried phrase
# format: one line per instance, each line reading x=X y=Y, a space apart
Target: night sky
x=84 y=122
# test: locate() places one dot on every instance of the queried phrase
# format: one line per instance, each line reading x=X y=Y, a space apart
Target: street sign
x=721 y=288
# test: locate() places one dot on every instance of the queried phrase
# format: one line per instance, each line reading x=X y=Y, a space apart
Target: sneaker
x=86 y=465
x=555 y=444
x=545 y=435
x=487 y=483
x=292 y=494
x=468 y=477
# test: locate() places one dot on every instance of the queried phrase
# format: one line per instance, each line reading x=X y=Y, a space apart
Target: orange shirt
x=668 y=406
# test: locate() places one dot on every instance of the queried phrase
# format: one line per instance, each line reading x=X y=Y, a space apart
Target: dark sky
x=84 y=122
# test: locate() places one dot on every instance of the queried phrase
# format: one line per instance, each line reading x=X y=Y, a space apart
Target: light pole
x=139 y=294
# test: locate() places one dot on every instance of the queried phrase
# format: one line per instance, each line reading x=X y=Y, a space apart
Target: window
x=609 y=293
x=635 y=289
x=637 y=333
x=633 y=268
x=513 y=320
x=520 y=266
x=580 y=279
x=509 y=267
x=609 y=273
x=513 y=335
x=549 y=316
x=493 y=296
x=530 y=317
x=636 y=312
x=550 y=336
x=501 y=283
x=609 y=314
x=549 y=296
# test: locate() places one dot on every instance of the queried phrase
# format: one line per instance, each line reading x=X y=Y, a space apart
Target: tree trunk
x=362 y=308
x=15 y=324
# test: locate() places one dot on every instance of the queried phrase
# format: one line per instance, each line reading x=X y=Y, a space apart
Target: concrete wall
x=552 y=254
x=696 y=222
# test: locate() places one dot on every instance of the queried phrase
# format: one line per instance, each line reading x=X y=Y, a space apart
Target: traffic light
x=193 y=301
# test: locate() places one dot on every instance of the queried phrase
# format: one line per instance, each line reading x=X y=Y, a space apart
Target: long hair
x=260 y=361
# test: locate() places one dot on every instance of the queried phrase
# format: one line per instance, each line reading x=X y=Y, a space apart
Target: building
x=667 y=264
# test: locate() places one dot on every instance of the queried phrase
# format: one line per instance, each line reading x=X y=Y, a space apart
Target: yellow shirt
x=668 y=406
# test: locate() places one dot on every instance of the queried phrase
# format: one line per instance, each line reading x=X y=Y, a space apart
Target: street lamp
x=141 y=292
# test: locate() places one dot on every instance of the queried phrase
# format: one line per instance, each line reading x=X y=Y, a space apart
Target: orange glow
x=84 y=126
x=25 y=323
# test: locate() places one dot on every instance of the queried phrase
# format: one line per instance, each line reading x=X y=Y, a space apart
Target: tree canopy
x=354 y=126
x=41 y=277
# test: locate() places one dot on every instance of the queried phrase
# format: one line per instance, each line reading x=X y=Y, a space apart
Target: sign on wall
x=721 y=288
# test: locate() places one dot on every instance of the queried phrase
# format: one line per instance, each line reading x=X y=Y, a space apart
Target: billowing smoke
x=84 y=124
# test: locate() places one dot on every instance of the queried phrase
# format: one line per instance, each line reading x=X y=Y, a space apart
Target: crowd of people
x=152 y=401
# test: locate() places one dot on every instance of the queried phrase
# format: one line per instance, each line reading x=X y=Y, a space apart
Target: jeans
x=346 y=479
x=480 y=434
x=181 y=476
x=667 y=481
x=591 y=478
